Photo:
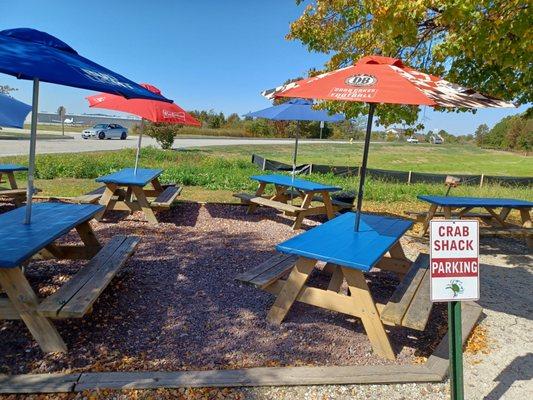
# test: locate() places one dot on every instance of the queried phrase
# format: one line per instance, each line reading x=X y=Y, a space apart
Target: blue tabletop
x=12 y=168
x=297 y=183
x=475 y=201
x=49 y=221
x=127 y=176
x=336 y=241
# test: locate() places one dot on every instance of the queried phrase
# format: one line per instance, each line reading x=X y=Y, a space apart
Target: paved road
x=21 y=147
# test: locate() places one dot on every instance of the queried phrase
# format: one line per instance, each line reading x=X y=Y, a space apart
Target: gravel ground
x=176 y=306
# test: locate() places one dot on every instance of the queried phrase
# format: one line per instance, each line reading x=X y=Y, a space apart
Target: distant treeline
x=511 y=133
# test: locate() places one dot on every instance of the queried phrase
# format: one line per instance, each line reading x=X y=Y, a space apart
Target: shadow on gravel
x=520 y=369
x=239 y=213
x=508 y=290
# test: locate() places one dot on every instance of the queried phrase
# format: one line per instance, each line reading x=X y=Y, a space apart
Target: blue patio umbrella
x=33 y=55
x=295 y=110
x=12 y=112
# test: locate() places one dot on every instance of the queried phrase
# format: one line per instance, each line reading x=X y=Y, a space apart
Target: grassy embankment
x=213 y=174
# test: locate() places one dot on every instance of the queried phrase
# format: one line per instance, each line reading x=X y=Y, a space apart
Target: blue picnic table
x=18 y=195
x=125 y=191
x=19 y=242
x=464 y=205
x=4 y=168
x=348 y=254
x=338 y=243
x=128 y=177
x=288 y=189
x=296 y=183
x=50 y=221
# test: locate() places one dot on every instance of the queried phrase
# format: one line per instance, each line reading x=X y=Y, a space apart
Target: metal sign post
x=454 y=272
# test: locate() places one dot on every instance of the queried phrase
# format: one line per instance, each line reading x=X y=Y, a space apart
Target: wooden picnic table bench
x=20 y=242
x=288 y=188
x=18 y=195
x=461 y=207
x=348 y=255
x=125 y=191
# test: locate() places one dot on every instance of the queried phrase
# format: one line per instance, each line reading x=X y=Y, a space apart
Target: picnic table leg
x=88 y=237
x=12 y=180
x=259 y=192
x=363 y=301
x=291 y=289
x=329 y=207
x=496 y=217
x=396 y=251
x=143 y=203
x=504 y=213
x=527 y=223
x=280 y=194
x=429 y=217
x=337 y=278
x=157 y=185
x=25 y=301
x=300 y=217
x=447 y=212
x=106 y=201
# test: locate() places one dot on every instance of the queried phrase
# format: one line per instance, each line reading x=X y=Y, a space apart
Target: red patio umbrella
x=377 y=79
x=152 y=110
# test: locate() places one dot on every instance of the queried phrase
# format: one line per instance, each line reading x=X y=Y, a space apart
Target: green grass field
x=213 y=174
x=442 y=159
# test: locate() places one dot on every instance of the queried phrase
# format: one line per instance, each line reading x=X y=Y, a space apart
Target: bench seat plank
x=75 y=298
x=401 y=299
x=91 y=197
x=417 y=314
x=269 y=271
x=167 y=197
x=262 y=201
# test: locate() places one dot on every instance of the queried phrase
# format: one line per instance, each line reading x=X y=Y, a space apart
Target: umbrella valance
x=12 y=112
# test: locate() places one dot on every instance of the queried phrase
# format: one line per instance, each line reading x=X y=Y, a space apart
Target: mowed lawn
x=421 y=157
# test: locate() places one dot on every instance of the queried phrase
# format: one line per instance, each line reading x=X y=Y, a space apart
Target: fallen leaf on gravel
x=478 y=341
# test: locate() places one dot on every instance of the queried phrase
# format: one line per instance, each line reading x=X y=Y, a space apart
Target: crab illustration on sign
x=456 y=286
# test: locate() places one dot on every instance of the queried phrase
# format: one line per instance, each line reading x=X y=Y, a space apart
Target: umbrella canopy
x=155 y=111
x=295 y=110
x=12 y=112
x=152 y=110
x=377 y=79
x=34 y=55
x=28 y=53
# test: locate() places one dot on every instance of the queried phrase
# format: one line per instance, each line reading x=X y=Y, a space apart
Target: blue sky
x=208 y=54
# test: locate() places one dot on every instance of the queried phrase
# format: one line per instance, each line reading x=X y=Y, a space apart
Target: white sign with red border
x=454 y=260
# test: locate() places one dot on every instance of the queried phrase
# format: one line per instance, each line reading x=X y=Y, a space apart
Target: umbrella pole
x=362 y=172
x=295 y=155
x=33 y=140
x=139 y=147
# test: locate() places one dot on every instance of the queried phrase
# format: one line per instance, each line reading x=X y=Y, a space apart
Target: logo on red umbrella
x=173 y=115
x=361 y=80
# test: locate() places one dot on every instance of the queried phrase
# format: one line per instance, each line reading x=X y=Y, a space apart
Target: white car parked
x=105 y=131
x=412 y=140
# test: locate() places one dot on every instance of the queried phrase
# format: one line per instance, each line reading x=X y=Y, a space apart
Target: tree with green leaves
x=483 y=44
x=480 y=134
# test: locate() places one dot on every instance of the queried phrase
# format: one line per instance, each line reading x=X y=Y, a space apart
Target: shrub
x=164 y=134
